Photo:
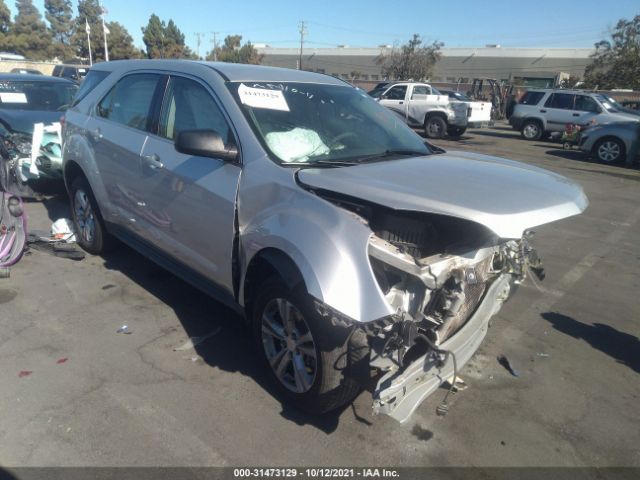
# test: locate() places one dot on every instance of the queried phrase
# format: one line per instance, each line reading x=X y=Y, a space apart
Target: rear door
x=558 y=111
x=190 y=201
x=117 y=132
x=395 y=100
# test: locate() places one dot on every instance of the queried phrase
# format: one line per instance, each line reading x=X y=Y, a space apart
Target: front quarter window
x=306 y=123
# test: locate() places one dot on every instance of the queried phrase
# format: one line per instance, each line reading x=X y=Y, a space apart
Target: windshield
x=306 y=123
x=609 y=103
x=41 y=96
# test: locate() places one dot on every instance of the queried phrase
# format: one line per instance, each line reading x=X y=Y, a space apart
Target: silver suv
x=346 y=242
x=540 y=112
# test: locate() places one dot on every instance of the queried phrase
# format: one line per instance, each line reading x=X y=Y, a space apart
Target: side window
x=531 y=98
x=56 y=71
x=189 y=106
x=560 y=100
x=586 y=104
x=397 y=93
x=129 y=101
x=420 y=90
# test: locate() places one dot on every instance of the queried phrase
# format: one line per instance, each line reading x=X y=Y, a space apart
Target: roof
x=31 y=77
x=234 y=72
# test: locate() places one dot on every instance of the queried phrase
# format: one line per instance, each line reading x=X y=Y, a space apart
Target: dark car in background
x=75 y=73
x=27 y=99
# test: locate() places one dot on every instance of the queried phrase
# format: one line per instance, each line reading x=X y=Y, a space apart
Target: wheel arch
x=268 y=262
x=597 y=143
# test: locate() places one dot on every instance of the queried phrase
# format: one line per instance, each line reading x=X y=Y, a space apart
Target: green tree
x=59 y=14
x=411 y=61
x=153 y=37
x=233 y=51
x=5 y=18
x=121 y=45
x=29 y=35
x=616 y=62
x=164 y=40
x=5 y=26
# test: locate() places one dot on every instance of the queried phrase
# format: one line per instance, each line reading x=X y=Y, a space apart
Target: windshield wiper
x=391 y=153
x=321 y=163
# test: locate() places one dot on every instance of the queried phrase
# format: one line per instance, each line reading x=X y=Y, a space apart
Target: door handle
x=576 y=114
x=543 y=111
x=153 y=160
x=400 y=103
x=96 y=134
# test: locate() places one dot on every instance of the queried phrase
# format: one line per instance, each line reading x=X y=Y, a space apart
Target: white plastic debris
x=62 y=229
x=296 y=145
x=124 y=329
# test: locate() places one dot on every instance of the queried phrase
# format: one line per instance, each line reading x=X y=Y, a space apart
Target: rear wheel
x=609 y=150
x=305 y=355
x=532 y=130
x=91 y=234
x=435 y=127
x=455 y=132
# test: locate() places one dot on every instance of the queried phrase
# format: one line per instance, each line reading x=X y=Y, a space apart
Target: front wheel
x=306 y=356
x=609 y=150
x=456 y=132
x=435 y=127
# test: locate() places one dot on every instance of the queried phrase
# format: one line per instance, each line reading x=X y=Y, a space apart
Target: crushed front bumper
x=399 y=393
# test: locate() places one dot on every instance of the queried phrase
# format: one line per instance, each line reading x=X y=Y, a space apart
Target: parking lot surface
x=75 y=392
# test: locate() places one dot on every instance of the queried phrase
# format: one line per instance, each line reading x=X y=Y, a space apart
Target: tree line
x=63 y=36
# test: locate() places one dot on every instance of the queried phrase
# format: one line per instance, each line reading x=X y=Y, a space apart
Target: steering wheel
x=341 y=136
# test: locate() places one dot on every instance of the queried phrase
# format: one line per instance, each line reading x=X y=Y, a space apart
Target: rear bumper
x=398 y=394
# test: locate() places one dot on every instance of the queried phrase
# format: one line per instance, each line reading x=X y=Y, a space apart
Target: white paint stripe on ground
x=180 y=442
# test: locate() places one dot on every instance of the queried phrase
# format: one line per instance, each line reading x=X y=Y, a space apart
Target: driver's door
x=189 y=201
x=395 y=100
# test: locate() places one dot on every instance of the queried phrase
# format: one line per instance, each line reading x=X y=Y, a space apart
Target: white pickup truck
x=478 y=113
x=423 y=106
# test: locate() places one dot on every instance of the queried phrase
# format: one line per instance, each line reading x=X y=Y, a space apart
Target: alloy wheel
x=85 y=217
x=530 y=130
x=609 y=151
x=289 y=346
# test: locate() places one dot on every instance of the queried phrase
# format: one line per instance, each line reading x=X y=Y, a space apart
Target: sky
x=356 y=23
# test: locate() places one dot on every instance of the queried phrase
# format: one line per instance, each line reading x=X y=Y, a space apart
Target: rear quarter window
x=91 y=81
x=531 y=98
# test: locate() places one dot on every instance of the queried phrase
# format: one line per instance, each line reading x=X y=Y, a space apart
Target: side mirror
x=205 y=143
x=384 y=97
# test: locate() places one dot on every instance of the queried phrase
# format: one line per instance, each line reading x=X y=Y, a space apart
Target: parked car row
x=609 y=130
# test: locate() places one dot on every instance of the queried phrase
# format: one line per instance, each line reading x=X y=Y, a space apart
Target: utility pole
x=199 y=36
x=215 y=45
x=87 y=29
x=303 y=32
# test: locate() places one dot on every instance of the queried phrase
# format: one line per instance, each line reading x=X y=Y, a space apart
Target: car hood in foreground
x=505 y=196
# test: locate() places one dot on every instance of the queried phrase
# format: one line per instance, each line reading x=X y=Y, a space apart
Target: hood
x=22 y=120
x=505 y=196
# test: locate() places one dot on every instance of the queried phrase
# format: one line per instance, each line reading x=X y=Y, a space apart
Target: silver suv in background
x=346 y=242
x=540 y=112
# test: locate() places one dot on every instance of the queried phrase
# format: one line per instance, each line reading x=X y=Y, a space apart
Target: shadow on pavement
x=233 y=350
x=621 y=346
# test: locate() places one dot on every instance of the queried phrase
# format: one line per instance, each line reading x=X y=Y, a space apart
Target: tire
x=91 y=233
x=455 y=132
x=435 y=127
x=532 y=130
x=320 y=383
x=609 y=150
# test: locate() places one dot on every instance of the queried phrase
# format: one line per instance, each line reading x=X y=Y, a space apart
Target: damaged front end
x=444 y=278
x=26 y=159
